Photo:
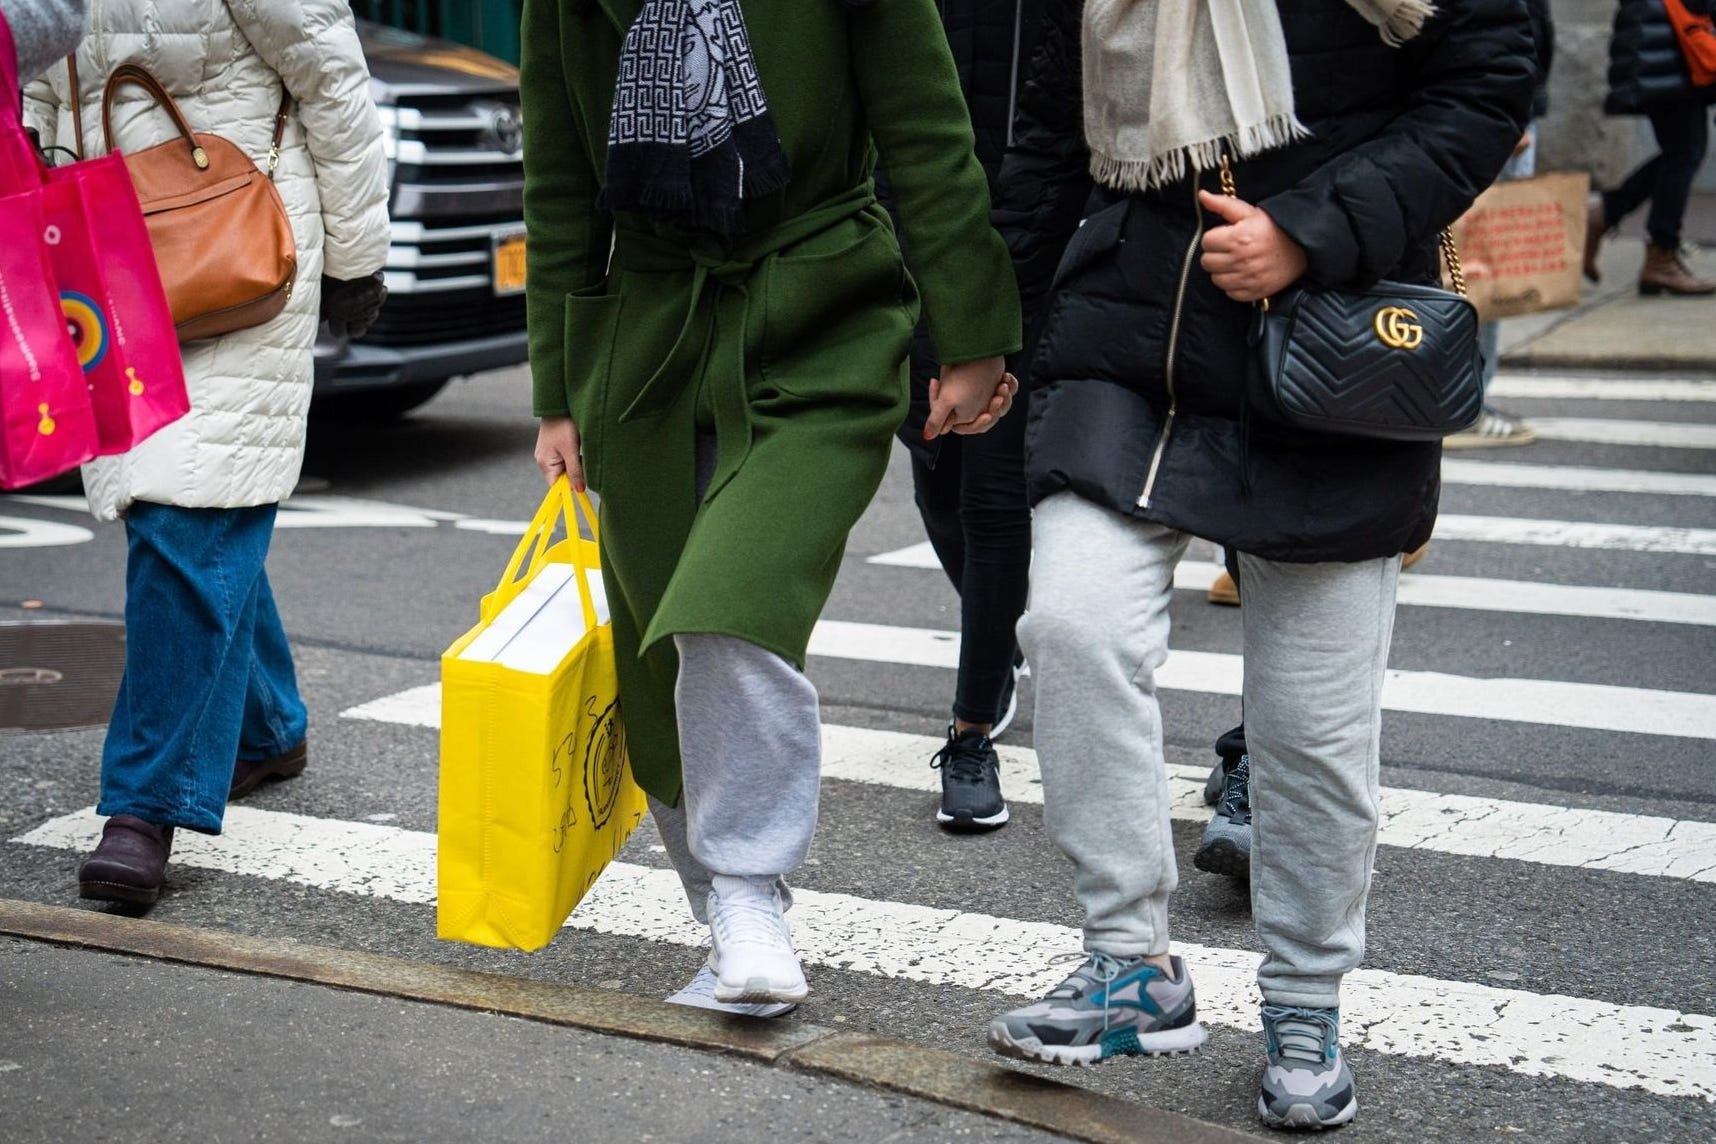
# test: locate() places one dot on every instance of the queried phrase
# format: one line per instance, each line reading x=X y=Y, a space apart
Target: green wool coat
x=789 y=343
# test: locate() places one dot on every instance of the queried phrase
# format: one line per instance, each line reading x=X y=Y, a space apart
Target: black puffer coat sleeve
x=1471 y=74
x=1045 y=178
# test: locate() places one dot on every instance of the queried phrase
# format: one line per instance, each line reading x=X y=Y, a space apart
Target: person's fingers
x=981 y=424
x=550 y=464
x=939 y=413
x=1218 y=263
x=574 y=465
x=1226 y=207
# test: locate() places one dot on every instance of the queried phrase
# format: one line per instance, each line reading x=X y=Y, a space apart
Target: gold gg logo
x=1398 y=328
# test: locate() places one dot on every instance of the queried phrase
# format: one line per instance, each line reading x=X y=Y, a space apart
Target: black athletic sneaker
x=970 y=783
x=1226 y=847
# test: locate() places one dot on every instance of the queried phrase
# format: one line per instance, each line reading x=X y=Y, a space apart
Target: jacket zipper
x=1013 y=88
x=1173 y=348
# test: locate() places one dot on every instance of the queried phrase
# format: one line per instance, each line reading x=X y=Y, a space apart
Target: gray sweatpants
x=750 y=742
x=1316 y=646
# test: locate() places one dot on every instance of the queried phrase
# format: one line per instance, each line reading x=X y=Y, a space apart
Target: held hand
x=970 y=397
x=1249 y=258
x=558 y=450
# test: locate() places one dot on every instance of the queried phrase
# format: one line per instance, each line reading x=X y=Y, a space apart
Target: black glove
x=350 y=308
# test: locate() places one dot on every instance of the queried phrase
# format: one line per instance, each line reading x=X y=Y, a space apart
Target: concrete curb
x=950 y=1079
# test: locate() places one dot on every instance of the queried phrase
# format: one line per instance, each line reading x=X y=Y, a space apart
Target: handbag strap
x=129 y=73
x=76 y=105
x=1450 y=250
x=139 y=76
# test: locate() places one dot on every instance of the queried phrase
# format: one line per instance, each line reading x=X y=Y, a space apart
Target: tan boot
x=1224 y=591
x=1666 y=273
x=1596 y=226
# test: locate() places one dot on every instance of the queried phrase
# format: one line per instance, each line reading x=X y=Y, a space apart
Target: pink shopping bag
x=115 y=308
x=109 y=286
x=46 y=424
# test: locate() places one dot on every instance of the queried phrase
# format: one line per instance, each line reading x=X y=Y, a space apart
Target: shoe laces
x=1302 y=1034
x=1236 y=792
x=968 y=757
x=749 y=919
x=1096 y=967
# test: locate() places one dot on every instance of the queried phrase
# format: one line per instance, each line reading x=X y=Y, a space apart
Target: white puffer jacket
x=224 y=61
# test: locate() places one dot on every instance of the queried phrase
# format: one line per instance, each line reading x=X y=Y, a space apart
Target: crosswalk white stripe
x=1545 y=1035
x=1411 y=819
x=1575 y=478
x=1592 y=706
x=1654 y=434
x=1458 y=592
x=1589 y=706
x=1576 y=534
x=1536 y=532
x=1533 y=388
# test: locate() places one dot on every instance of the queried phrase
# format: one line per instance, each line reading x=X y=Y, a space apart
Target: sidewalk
x=1615 y=330
x=114 y=1028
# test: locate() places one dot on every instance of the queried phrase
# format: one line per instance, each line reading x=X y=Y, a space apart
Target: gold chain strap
x=1450 y=251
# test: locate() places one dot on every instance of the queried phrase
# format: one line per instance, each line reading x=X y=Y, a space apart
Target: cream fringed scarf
x=1172 y=82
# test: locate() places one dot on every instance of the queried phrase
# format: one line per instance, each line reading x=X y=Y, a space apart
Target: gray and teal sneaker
x=1306 y=1083
x=1108 y=1007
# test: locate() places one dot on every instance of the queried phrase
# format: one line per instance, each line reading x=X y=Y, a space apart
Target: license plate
x=509 y=263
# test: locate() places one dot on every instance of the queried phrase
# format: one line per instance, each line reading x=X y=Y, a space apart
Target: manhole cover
x=56 y=677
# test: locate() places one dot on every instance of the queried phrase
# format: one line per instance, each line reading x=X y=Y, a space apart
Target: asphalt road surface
x=1541 y=959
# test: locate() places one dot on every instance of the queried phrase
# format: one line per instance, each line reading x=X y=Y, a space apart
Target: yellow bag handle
x=534 y=550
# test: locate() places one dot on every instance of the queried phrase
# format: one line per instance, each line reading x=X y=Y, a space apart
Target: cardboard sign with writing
x=1523 y=243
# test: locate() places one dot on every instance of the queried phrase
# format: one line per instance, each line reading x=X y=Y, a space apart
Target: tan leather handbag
x=220 y=231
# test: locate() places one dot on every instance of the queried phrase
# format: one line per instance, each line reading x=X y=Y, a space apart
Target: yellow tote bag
x=537 y=795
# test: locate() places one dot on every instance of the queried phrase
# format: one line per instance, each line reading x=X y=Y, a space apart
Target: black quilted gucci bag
x=1394 y=361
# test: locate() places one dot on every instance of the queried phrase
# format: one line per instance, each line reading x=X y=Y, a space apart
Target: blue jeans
x=208 y=674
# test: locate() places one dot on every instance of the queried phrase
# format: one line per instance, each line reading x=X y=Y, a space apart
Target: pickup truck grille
x=425 y=319
x=458 y=184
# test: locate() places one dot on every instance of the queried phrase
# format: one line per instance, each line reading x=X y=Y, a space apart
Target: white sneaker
x=751 y=953
x=700 y=994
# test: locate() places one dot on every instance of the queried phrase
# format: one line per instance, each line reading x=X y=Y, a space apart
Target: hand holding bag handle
x=535 y=550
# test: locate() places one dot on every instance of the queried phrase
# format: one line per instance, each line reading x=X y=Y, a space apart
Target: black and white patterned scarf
x=691 y=138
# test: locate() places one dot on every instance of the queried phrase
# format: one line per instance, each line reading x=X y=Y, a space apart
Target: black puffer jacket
x=993 y=43
x=1646 y=67
x=1402 y=140
x=1543 y=44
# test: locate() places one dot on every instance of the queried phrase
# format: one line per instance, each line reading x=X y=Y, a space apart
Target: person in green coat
x=719 y=328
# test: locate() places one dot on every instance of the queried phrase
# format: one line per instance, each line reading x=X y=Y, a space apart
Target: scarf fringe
x=1406 y=21
x=1135 y=175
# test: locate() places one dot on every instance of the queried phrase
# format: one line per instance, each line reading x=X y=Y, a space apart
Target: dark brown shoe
x=1665 y=272
x=130 y=863
x=248 y=774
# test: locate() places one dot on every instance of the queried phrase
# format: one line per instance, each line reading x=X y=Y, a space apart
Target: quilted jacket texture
x=1401 y=142
x=224 y=61
x=1646 y=66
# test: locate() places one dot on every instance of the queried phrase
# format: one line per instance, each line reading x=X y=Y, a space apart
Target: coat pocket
x=592 y=322
x=837 y=321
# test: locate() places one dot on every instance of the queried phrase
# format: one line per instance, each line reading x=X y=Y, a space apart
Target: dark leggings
x=972 y=501
x=1682 y=133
